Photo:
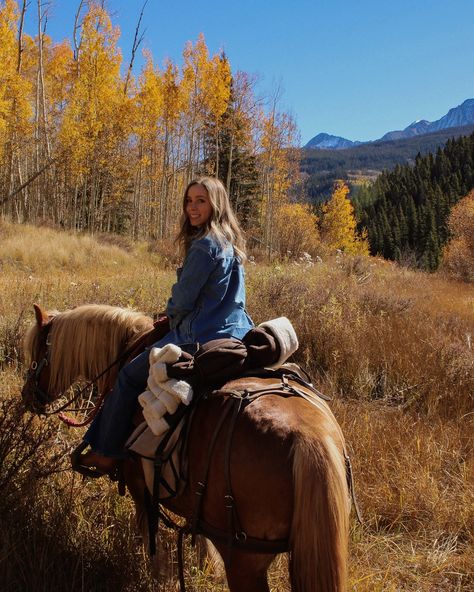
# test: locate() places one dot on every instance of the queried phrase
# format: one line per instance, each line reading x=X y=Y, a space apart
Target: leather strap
x=247 y=543
x=201 y=485
x=234 y=527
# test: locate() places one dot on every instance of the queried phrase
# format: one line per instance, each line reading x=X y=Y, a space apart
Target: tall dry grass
x=370 y=330
x=392 y=346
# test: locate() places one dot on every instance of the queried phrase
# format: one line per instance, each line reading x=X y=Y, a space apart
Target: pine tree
x=236 y=162
x=423 y=194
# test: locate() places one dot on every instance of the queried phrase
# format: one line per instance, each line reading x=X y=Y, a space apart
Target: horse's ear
x=41 y=316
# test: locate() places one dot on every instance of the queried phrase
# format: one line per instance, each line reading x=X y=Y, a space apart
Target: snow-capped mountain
x=456 y=117
x=329 y=142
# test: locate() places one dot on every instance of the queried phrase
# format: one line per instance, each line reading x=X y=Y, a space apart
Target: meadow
x=391 y=346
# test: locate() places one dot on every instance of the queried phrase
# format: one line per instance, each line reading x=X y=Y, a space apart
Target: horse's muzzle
x=34 y=398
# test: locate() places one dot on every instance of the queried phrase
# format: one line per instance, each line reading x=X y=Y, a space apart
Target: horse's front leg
x=246 y=572
x=135 y=481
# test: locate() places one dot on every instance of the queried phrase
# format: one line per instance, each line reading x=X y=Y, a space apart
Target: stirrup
x=76 y=464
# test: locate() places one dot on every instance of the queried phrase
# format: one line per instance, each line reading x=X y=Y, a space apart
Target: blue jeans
x=112 y=426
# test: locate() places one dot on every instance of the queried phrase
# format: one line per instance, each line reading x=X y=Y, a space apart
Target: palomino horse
x=287 y=461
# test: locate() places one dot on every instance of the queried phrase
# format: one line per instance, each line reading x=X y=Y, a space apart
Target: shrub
x=296 y=230
x=458 y=255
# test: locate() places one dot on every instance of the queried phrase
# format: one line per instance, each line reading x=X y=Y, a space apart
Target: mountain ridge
x=459 y=116
x=320 y=168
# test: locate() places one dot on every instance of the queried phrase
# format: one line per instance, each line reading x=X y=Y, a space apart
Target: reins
x=147 y=338
x=69 y=421
x=36 y=369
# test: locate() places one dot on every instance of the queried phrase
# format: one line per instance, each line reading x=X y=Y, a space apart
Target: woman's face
x=197 y=205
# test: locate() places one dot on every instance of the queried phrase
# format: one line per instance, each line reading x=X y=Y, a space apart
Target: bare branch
x=28 y=181
x=77 y=44
x=20 y=34
x=46 y=7
x=136 y=44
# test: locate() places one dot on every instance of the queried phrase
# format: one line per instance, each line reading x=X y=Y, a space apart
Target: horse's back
x=259 y=464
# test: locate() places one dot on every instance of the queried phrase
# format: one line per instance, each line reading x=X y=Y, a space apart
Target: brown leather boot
x=93 y=464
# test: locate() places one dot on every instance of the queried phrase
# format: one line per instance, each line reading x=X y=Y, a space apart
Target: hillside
x=406 y=210
x=322 y=167
x=404 y=401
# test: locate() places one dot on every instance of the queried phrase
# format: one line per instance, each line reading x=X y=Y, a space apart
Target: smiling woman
x=207 y=302
x=198 y=207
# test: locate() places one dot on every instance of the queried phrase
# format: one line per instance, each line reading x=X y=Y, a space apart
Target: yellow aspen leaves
x=279 y=167
x=338 y=224
x=59 y=70
x=218 y=86
x=150 y=100
x=94 y=104
x=297 y=230
x=91 y=147
x=15 y=108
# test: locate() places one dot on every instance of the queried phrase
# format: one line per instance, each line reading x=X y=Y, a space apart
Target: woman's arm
x=198 y=266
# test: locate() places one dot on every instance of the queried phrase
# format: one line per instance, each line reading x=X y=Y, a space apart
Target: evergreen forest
x=321 y=168
x=405 y=211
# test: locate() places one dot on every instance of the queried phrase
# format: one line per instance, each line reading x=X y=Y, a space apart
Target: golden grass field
x=393 y=347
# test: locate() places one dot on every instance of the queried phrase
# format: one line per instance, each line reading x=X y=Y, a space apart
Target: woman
x=207 y=302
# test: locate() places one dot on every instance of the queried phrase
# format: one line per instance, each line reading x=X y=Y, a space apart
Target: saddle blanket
x=144 y=443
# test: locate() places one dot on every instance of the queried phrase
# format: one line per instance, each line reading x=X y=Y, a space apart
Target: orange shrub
x=296 y=230
x=458 y=255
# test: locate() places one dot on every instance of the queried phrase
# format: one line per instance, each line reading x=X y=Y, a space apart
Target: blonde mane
x=87 y=339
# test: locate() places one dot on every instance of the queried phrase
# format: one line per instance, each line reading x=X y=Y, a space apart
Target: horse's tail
x=319 y=531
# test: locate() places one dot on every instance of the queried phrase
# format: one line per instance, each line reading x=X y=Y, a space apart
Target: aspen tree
x=174 y=100
x=150 y=109
x=196 y=88
x=217 y=97
x=84 y=147
x=45 y=188
x=8 y=59
x=95 y=123
x=58 y=80
x=458 y=254
x=15 y=109
x=338 y=225
x=278 y=167
x=41 y=115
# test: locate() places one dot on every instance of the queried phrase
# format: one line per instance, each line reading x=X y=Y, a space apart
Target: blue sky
x=354 y=68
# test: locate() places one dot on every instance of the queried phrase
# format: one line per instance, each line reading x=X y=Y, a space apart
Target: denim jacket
x=208 y=300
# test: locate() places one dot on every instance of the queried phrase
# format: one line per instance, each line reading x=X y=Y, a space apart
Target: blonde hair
x=222 y=223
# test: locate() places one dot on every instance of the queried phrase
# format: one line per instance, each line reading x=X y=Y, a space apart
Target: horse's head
x=35 y=391
x=83 y=343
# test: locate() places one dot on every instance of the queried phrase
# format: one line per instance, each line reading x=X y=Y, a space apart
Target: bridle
x=36 y=368
x=44 y=398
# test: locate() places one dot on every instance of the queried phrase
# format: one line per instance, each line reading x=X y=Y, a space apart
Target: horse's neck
x=90 y=357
